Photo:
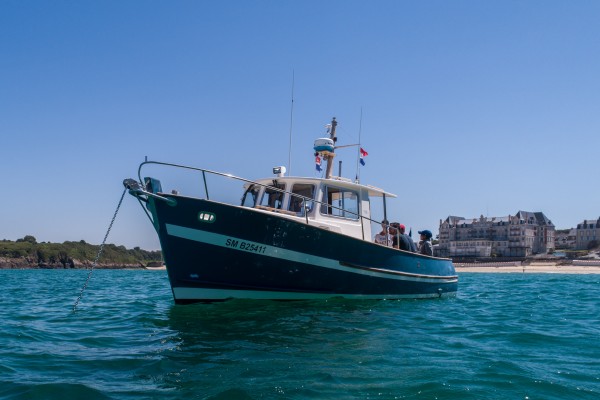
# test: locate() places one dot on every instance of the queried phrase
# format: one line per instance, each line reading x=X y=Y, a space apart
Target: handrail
x=205 y=171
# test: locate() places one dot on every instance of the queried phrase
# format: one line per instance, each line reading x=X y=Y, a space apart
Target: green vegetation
x=65 y=253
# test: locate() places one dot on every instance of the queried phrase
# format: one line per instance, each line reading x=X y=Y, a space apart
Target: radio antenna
x=291 y=125
x=359 y=144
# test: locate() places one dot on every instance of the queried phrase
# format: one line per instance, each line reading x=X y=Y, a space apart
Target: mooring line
x=99 y=252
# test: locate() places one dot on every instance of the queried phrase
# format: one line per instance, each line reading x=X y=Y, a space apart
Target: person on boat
x=401 y=241
x=425 y=244
x=409 y=243
x=395 y=233
x=295 y=204
x=384 y=237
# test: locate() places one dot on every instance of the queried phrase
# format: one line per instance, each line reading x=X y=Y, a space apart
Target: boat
x=289 y=238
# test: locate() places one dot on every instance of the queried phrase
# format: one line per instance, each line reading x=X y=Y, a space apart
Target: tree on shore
x=65 y=253
x=28 y=239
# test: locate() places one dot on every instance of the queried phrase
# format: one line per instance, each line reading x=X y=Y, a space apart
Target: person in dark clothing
x=400 y=240
x=425 y=244
x=394 y=234
x=404 y=242
x=412 y=246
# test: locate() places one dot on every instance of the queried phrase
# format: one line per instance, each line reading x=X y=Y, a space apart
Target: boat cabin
x=336 y=204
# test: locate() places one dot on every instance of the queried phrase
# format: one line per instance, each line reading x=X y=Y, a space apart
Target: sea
x=504 y=336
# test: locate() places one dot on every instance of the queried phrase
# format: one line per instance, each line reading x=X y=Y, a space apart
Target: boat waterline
x=186 y=293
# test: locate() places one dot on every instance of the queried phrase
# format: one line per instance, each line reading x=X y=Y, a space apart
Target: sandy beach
x=533 y=268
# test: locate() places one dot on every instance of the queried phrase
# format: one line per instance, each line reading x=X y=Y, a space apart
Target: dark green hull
x=215 y=251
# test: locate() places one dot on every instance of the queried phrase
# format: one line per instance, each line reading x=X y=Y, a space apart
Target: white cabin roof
x=339 y=181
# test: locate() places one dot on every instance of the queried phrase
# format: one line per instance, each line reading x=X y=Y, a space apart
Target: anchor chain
x=99 y=252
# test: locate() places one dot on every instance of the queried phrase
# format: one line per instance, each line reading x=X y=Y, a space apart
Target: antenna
x=291 y=124
x=359 y=143
x=329 y=157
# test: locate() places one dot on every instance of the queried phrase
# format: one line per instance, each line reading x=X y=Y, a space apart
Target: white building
x=566 y=239
x=520 y=235
x=587 y=232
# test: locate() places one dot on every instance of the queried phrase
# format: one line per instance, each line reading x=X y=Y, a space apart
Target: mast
x=291 y=125
x=329 y=156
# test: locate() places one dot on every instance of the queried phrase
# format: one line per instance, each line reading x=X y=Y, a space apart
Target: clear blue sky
x=469 y=107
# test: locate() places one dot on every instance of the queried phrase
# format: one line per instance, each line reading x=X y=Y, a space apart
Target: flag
x=363 y=154
x=318 y=163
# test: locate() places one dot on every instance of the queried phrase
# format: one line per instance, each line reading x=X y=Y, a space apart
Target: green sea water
x=505 y=336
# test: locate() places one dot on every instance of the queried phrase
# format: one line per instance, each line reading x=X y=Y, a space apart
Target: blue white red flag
x=318 y=163
x=363 y=154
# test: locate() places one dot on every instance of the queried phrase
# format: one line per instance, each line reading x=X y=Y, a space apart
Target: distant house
x=566 y=239
x=587 y=232
x=520 y=235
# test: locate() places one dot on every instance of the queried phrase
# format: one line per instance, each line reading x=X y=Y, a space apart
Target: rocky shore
x=25 y=263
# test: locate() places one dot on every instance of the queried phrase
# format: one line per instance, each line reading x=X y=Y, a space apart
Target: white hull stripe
x=237 y=244
x=183 y=293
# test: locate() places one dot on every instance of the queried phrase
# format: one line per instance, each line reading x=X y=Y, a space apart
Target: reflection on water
x=261 y=346
x=271 y=325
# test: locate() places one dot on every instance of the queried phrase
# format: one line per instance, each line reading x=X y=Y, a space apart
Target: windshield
x=250 y=196
x=272 y=197
x=340 y=202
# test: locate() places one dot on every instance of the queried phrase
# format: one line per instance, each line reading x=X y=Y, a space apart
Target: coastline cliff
x=27 y=253
x=24 y=263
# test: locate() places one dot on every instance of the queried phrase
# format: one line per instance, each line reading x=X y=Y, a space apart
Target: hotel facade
x=520 y=235
x=588 y=231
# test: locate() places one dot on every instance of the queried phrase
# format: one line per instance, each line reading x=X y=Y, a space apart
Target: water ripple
x=503 y=336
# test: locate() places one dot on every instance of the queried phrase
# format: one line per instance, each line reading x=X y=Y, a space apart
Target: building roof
x=534 y=217
x=452 y=219
x=537 y=218
x=590 y=221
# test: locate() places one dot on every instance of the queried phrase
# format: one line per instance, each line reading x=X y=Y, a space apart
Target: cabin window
x=272 y=197
x=340 y=202
x=250 y=196
x=297 y=202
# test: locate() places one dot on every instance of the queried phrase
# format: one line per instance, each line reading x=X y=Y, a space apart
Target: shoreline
x=534 y=268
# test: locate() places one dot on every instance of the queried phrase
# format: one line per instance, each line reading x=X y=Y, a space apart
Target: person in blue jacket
x=425 y=243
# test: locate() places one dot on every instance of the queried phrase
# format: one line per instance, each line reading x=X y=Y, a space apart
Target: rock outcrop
x=27 y=263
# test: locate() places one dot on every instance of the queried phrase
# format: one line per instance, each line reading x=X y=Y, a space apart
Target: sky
x=468 y=108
